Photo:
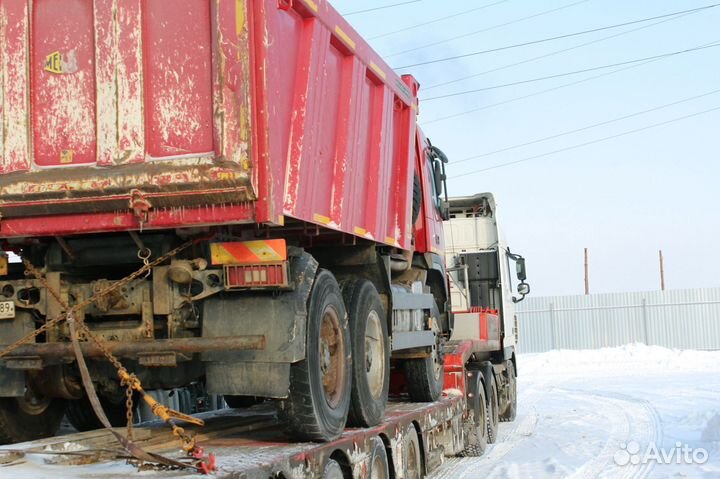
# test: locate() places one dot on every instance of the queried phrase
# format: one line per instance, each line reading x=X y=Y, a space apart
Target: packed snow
x=630 y=412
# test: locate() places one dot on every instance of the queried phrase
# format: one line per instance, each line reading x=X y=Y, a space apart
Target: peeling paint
x=15 y=97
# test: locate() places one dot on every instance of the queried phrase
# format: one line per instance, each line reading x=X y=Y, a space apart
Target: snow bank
x=630 y=359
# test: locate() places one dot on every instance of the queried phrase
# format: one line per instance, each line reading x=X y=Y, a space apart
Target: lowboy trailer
x=230 y=192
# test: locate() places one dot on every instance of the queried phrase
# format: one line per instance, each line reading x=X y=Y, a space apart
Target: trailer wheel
x=332 y=470
x=478 y=430
x=412 y=459
x=83 y=418
x=29 y=417
x=510 y=408
x=493 y=416
x=425 y=376
x=379 y=466
x=319 y=396
x=370 y=352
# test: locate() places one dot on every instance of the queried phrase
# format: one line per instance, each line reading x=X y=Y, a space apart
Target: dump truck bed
x=128 y=115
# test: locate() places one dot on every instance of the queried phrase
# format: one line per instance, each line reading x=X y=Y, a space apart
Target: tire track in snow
x=508 y=438
x=631 y=419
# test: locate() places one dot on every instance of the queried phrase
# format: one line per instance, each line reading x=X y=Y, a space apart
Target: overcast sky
x=623 y=198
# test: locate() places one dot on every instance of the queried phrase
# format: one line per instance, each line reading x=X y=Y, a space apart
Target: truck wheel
x=370 y=353
x=425 y=376
x=493 y=416
x=412 y=459
x=510 y=409
x=332 y=470
x=379 y=467
x=478 y=430
x=28 y=418
x=319 y=398
x=83 y=418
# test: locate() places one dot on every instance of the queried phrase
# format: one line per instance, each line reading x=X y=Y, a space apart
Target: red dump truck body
x=202 y=112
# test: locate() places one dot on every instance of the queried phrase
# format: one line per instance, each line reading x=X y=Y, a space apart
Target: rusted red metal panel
x=122 y=221
x=15 y=127
x=178 y=77
x=119 y=67
x=280 y=106
x=63 y=83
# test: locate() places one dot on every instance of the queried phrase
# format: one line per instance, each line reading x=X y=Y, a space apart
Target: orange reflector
x=249 y=252
x=3 y=264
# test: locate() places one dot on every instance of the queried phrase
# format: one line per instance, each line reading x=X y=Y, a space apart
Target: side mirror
x=520 y=269
x=438 y=176
x=524 y=289
x=445 y=210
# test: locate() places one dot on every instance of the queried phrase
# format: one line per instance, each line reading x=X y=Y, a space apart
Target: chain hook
x=144 y=254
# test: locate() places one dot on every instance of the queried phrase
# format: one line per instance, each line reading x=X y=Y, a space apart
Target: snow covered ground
x=628 y=412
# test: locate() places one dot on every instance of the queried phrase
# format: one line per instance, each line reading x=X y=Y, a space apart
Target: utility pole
x=662 y=272
x=587 y=279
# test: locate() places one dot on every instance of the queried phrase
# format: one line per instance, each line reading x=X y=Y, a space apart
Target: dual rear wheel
x=345 y=376
x=29 y=417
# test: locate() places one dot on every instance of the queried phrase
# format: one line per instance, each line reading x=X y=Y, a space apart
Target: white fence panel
x=683 y=319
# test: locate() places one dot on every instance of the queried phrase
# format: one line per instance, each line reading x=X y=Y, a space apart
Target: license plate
x=7 y=310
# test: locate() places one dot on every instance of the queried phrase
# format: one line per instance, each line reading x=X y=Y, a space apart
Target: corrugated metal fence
x=684 y=319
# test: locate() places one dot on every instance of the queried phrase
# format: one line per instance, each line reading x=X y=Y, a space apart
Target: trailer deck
x=246 y=443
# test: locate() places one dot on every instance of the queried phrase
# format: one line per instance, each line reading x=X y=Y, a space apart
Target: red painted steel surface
x=63 y=83
x=178 y=77
x=281 y=106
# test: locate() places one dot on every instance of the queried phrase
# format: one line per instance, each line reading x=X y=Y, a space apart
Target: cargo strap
x=195 y=455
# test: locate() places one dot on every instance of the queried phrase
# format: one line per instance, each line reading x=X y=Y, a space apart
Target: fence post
x=553 y=336
x=646 y=333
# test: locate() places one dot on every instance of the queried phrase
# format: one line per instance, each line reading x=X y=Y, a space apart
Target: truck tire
x=370 y=353
x=493 y=413
x=319 y=396
x=478 y=430
x=411 y=457
x=332 y=470
x=425 y=376
x=379 y=466
x=510 y=408
x=81 y=415
x=22 y=419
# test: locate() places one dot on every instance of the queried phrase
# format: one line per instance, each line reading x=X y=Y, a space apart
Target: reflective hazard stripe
x=249 y=252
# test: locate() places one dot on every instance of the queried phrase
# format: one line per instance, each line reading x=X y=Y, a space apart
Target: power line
x=487 y=29
x=576 y=72
x=437 y=20
x=556 y=52
x=557 y=37
x=588 y=143
x=542 y=92
x=379 y=8
x=588 y=127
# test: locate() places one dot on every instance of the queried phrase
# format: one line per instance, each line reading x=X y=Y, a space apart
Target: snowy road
x=613 y=413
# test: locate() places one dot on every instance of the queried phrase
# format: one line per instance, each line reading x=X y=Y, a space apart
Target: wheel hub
x=374 y=354
x=332 y=356
x=33 y=403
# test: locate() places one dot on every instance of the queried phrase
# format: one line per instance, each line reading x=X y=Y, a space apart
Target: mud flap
x=280 y=317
